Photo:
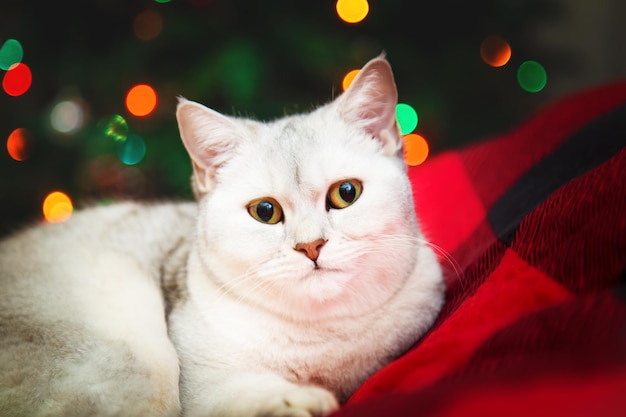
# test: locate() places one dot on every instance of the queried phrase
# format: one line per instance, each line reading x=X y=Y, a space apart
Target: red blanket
x=535 y=319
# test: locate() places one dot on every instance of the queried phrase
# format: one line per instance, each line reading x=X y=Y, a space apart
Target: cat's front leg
x=255 y=395
x=298 y=401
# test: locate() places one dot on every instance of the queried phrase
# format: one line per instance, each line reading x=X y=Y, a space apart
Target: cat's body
x=82 y=323
x=300 y=272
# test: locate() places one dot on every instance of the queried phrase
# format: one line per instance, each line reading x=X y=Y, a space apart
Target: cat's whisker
x=229 y=287
x=401 y=240
x=449 y=258
x=252 y=274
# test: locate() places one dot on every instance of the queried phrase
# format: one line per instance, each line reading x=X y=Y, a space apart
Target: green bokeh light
x=11 y=53
x=407 y=118
x=132 y=150
x=116 y=128
x=531 y=76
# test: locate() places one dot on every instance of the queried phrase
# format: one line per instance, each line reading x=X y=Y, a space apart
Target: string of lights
x=118 y=151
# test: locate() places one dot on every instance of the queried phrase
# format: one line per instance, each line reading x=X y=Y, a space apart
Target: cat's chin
x=324 y=293
x=324 y=284
x=315 y=294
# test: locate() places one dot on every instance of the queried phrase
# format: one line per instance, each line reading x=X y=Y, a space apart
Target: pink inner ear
x=370 y=102
x=209 y=138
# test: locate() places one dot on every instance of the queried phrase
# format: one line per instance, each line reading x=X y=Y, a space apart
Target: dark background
x=267 y=58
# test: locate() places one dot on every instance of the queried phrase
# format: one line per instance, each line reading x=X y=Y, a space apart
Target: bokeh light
x=11 y=53
x=19 y=144
x=115 y=128
x=148 y=24
x=415 y=149
x=67 y=116
x=352 y=11
x=132 y=150
x=17 y=80
x=348 y=78
x=407 y=118
x=495 y=51
x=141 y=100
x=531 y=76
x=57 y=207
x=102 y=172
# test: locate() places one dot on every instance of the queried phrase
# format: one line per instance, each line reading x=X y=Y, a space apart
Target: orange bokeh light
x=57 y=207
x=141 y=100
x=19 y=144
x=348 y=78
x=495 y=51
x=415 y=149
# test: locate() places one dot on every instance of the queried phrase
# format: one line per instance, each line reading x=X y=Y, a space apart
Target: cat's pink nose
x=311 y=249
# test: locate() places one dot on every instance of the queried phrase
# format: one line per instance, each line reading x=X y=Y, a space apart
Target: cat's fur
x=141 y=310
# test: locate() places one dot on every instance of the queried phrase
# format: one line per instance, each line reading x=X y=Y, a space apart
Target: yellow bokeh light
x=57 y=207
x=348 y=78
x=352 y=11
x=415 y=149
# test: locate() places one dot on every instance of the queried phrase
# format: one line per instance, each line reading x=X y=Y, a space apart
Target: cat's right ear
x=209 y=138
x=370 y=103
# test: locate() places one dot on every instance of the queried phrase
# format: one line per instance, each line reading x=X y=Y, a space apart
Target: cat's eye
x=343 y=193
x=266 y=210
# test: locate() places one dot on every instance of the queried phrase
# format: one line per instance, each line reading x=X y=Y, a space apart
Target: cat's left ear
x=210 y=139
x=370 y=103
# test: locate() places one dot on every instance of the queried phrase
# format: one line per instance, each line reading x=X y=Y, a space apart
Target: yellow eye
x=266 y=210
x=344 y=193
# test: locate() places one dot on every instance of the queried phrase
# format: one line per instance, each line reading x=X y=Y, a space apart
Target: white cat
x=300 y=271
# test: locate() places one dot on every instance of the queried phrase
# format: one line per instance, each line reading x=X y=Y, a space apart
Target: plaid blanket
x=534 y=223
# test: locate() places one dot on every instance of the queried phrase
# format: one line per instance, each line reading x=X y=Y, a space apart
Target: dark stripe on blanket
x=586 y=149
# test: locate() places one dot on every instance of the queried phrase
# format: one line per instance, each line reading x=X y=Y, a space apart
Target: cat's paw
x=300 y=402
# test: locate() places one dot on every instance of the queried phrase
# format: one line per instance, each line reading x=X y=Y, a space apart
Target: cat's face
x=310 y=215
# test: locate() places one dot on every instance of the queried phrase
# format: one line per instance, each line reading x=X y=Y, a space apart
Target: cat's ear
x=210 y=139
x=370 y=103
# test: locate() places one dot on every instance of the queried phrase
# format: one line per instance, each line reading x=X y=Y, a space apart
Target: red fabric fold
x=535 y=320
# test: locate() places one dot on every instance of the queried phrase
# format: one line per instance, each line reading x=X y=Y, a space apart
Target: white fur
x=82 y=327
x=263 y=330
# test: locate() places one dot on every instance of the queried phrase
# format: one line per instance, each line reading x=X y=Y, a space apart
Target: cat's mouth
x=322 y=272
